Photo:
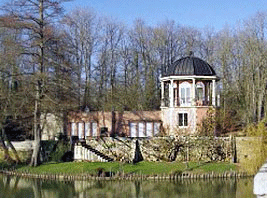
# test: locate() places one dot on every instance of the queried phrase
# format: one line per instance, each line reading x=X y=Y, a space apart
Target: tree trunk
x=39 y=91
x=3 y=145
x=37 y=139
x=6 y=153
x=18 y=161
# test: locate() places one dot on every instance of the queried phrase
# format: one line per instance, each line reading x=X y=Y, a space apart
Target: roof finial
x=191 y=53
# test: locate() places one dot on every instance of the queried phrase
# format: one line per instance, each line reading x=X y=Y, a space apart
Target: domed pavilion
x=188 y=90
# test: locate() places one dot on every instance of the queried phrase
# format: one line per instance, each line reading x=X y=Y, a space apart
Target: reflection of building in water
x=16 y=182
x=21 y=187
x=81 y=186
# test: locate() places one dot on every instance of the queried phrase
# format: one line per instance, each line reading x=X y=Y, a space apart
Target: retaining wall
x=181 y=148
x=247 y=148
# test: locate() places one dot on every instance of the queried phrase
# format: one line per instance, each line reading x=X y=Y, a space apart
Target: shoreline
x=130 y=177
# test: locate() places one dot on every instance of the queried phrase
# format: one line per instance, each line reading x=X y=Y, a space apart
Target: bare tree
x=35 y=18
x=82 y=27
x=108 y=60
x=13 y=99
x=167 y=43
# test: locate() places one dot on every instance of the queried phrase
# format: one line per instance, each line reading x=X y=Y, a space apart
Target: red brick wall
x=201 y=113
x=104 y=119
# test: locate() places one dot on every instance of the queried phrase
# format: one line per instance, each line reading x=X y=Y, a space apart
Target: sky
x=193 y=13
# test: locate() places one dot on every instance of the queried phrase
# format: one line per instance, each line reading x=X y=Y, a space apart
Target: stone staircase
x=84 y=152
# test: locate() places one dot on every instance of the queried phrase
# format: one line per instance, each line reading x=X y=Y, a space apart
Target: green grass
x=145 y=168
x=218 y=167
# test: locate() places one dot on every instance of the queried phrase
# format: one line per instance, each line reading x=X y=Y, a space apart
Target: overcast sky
x=196 y=13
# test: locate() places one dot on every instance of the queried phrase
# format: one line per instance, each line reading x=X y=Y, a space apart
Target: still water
x=11 y=187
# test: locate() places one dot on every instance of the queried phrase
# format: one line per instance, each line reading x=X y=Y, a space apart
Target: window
x=141 y=129
x=184 y=92
x=90 y=129
x=94 y=129
x=87 y=129
x=183 y=119
x=133 y=129
x=80 y=130
x=73 y=129
x=157 y=128
x=200 y=91
x=144 y=129
x=149 y=129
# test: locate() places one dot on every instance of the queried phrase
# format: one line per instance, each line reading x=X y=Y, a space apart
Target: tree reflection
x=22 y=187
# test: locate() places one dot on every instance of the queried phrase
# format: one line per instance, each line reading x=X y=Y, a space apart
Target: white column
x=175 y=95
x=193 y=92
x=171 y=94
x=75 y=152
x=162 y=94
x=90 y=156
x=213 y=93
x=218 y=100
x=83 y=153
x=78 y=151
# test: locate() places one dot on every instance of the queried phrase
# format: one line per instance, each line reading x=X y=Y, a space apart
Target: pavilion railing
x=188 y=101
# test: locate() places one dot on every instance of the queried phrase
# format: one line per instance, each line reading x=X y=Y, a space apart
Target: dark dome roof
x=190 y=65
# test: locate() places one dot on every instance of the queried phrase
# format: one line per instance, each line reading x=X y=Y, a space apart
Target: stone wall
x=52 y=126
x=247 y=148
x=181 y=148
x=260 y=181
x=121 y=149
x=23 y=148
x=26 y=145
x=251 y=153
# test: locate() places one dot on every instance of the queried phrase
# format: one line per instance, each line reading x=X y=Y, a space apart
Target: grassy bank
x=144 y=168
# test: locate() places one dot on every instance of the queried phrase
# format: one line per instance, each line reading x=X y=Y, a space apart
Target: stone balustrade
x=84 y=154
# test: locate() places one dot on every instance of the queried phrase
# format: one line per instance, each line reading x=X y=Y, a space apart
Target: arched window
x=185 y=94
x=200 y=91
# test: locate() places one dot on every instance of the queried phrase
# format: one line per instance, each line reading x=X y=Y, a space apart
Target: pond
x=11 y=187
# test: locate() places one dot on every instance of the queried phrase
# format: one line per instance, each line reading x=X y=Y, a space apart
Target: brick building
x=188 y=90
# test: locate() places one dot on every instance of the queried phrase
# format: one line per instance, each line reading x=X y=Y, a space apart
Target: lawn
x=144 y=168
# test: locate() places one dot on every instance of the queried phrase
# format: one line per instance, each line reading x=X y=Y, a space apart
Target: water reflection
x=22 y=187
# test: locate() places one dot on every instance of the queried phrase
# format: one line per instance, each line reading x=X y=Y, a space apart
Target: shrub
x=207 y=125
x=61 y=148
